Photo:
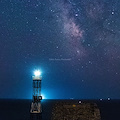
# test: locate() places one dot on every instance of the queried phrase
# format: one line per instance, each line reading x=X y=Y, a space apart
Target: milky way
x=78 y=43
x=72 y=31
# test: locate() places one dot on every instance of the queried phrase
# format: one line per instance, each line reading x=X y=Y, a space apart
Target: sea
x=20 y=109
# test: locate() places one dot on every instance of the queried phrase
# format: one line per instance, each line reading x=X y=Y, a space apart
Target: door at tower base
x=75 y=111
x=36 y=107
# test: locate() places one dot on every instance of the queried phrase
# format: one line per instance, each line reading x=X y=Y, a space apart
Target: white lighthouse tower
x=36 y=98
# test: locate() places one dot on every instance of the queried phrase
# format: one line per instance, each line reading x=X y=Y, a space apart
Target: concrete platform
x=75 y=111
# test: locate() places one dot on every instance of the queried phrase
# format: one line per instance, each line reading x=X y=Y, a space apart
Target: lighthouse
x=36 y=97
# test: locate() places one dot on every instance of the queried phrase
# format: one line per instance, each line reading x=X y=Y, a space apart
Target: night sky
x=75 y=43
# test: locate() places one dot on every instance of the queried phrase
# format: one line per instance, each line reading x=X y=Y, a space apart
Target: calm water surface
x=20 y=109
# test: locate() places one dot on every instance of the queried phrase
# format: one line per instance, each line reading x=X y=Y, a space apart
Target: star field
x=75 y=43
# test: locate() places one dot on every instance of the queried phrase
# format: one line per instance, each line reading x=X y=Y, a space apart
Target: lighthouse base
x=35 y=116
x=36 y=107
